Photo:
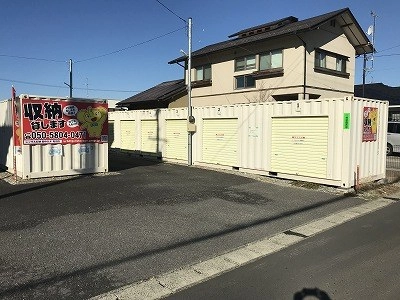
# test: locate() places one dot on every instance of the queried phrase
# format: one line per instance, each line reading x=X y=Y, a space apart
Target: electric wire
x=95 y=57
x=132 y=46
x=388 y=55
x=389 y=48
x=64 y=87
x=171 y=11
x=33 y=58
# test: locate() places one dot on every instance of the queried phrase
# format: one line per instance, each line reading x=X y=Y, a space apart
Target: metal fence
x=393 y=167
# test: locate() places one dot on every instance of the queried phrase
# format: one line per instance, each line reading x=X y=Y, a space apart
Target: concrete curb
x=172 y=282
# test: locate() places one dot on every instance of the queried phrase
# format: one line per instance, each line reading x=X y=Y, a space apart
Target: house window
x=271 y=60
x=203 y=72
x=330 y=63
x=244 y=81
x=320 y=59
x=340 y=64
x=245 y=63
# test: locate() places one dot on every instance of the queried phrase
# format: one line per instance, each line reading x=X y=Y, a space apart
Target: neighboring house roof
x=291 y=26
x=379 y=91
x=161 y=92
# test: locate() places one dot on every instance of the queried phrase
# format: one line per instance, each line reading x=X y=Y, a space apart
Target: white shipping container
x=56 y=150
x=339 y=142
x=312 y=140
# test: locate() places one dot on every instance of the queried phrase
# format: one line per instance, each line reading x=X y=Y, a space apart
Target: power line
x=101 y=90
x=171 y=11
x=33 y=58
x=129 y=47
x=389 y=48
x=388 y=55
x=32 y=83
x=64 y=87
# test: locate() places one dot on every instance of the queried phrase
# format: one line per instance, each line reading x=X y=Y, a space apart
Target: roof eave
x=355 y=34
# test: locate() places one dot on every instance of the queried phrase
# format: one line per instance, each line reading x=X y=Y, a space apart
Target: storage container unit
x=175 y=146
x=56 y=136
x=339 y=142
x=128 y=135
x=300 y=145
x=216 y=141
x=124 y=130
x=176 y=139
x=220 y=141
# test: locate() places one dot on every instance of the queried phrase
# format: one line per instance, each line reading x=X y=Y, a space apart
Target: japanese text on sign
x=63 y=122
x=370 y=124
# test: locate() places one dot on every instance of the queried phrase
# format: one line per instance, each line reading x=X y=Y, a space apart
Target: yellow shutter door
x=220 y=140
x=149 y=136
x=128 y=135
x=176 y=139
x=300 y=146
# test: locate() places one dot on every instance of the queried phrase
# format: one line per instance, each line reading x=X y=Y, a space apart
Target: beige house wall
x=331 y=39
x=180 y=102
x=223 y=92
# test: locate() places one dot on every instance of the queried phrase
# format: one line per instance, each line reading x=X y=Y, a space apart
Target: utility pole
x=374 y=15
x=87 y=87
x=364 y=74
x=70 y=79
x=189 y=88
x=371 y=31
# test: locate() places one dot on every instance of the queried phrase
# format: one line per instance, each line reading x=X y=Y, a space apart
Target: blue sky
x=54 y=31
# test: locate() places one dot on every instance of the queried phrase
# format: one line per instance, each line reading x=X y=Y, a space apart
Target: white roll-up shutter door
x=220 y=141
x=128 y=129
x=176 y=144
x=300 y=146
x=149 y=136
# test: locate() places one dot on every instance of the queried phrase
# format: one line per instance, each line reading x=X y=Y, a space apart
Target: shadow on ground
x=119 y=161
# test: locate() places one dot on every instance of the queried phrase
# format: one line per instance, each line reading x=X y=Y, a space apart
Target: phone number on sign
x=43 y=135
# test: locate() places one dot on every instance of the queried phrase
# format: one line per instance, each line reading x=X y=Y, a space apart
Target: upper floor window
x=340 y=64
x=330 y=63
x=271 y=60
x=320 y=59
x=245 y=63
x=203 y=72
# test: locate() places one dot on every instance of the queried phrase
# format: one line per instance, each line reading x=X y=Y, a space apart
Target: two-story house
x=286 y=59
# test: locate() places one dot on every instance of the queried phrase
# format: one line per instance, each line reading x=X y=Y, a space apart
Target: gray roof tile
x=290 y=28
x=160 y=92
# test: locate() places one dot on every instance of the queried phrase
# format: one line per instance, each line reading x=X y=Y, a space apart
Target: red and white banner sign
x=50 y=121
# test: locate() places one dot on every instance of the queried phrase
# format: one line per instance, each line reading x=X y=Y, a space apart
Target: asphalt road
x=83 y=236
x=356 y=260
